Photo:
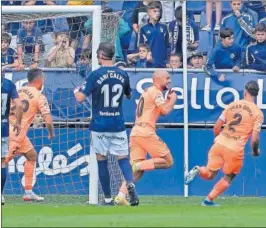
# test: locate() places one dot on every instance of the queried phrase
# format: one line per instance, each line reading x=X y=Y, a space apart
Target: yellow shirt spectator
x=84 y=2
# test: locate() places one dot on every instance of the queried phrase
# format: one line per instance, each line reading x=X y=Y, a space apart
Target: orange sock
x=205 y=173
x=28 y=172
x=219 y=188
x=123 y=188
x=146 y=165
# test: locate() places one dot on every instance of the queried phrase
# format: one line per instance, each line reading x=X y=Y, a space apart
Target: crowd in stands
x=150 y=37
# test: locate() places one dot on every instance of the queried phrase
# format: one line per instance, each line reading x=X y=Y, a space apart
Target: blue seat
x=196 y=6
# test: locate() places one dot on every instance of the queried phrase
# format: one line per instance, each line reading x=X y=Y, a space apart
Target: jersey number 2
x=118 y=89
x=236 y=121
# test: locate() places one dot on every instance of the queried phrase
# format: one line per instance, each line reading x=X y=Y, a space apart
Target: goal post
x=43 y=11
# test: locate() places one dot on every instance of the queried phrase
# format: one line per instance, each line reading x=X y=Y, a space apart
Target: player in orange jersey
x=32 y=101
x=143 y=137
x=242 y=119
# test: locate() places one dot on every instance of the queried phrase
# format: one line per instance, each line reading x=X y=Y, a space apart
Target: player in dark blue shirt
x=8 y=94
x=9 y=55
x=29 y=44
x=226 y=55
x=256 y=52
x=107 y=87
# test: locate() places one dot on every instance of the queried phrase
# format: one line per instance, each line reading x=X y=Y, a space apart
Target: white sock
x=121 y=195
x=28 y=191
x=207 y=198
x=108 y=200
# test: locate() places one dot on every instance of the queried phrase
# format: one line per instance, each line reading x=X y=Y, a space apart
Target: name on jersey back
x=110 y=74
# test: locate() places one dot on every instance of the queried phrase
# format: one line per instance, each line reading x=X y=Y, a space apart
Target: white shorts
x=4 y=147
x=115 y=143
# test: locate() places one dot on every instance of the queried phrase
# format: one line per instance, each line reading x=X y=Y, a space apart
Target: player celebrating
x=242 y=119
x=32 y=102
x=107 y=86
x=143 y=138
x=8 y=93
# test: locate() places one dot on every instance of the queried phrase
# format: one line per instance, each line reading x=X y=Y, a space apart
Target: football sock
x=28 y=172
x=3 y=177
x=218 y=189
x=126 y=169
x=123 y=190
x=205 y=173
x=104 y=178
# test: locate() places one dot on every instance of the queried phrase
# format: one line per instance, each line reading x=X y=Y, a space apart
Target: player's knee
x=230 y=177
x=31 y=155
x=169 y=162
x=213 y=174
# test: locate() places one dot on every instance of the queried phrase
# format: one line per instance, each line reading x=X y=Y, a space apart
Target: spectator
x=83 y=65
x=9 y=55
x=140 y=15
x=256 y=53
x=30 y=46
x=167 y=11
x=155 y=35
x=142 y=59
x=196 y=61
x=258 y=7
x=82 y=2
x=218 y=11
x=263 y=20
x=123 y=29
x=33 y=2
x=175 y=33
x=76 y=24
x=241 y=22
x=61 y=55
x=226 y=55
x=175 y=61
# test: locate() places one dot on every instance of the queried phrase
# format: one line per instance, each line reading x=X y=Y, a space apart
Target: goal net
x=64 y=165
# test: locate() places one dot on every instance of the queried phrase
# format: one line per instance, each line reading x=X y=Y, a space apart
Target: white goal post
x=96 y=39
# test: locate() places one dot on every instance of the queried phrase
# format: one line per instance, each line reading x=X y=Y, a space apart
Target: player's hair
x=226 y=32
x=106 y=51
x=34 y=73
x=155 y=5
x=252 y=88
x=176 y=55
x=145 y=46
x=261 y=27
x=7 y=37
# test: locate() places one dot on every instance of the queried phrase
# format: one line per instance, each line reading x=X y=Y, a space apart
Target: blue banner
x=206 y=96
x=63 y=166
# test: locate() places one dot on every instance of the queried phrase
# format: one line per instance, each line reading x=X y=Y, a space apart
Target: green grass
x=71 y=211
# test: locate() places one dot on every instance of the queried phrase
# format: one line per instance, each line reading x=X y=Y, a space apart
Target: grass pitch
x=71 y=211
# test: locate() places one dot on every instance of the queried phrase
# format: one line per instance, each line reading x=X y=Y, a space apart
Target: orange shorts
x=18 y=144
x=222 y=157
x=153 y=145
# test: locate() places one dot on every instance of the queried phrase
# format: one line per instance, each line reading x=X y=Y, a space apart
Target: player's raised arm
x=85 y=90
x=169 y=105
x=255 y=135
